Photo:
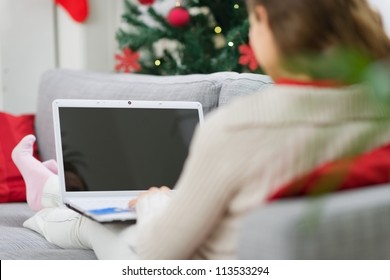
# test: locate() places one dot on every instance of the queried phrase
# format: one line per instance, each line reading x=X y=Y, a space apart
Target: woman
x=247 y=149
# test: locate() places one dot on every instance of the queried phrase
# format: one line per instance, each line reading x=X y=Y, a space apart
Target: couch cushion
x=236 y=85
x=17 y=242
x=67 y=84
x=48 y=254
x=14 y=214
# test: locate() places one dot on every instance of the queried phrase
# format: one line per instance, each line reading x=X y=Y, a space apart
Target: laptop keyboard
x=100 y=204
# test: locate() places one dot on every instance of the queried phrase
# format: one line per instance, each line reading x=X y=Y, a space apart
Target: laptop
x=108 y=152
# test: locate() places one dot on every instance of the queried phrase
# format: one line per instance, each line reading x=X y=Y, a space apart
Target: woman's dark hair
x=307 y=26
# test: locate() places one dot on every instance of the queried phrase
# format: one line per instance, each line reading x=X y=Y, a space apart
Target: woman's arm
x=200 y=200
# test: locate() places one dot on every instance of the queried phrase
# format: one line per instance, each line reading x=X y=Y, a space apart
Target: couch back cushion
x=71 y=84
x=236 y=85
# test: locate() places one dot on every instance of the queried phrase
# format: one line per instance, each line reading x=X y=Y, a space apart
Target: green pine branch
x=131 y=9
x=196 y=51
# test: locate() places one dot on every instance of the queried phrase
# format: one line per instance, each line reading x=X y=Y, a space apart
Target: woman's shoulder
x=284 y=105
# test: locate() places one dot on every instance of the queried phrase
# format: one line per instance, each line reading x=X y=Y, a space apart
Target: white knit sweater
x=249 y=148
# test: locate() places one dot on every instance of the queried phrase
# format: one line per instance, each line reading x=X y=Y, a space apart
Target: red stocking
x=77 y=9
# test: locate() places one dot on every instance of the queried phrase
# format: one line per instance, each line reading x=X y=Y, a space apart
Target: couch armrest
x=348 y=225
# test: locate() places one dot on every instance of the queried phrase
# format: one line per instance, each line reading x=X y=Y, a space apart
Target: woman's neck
x=313 y=83
x=300 y=79
x=283 y=74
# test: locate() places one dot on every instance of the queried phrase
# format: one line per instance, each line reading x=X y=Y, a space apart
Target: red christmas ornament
x=128 y=61
x=247 y=57
x=146 y=2
x=178 y=17
x=77 y=9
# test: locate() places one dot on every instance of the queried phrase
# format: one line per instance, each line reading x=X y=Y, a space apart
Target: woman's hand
x=152 y=190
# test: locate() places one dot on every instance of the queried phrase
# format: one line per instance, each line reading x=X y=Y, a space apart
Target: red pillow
x=12 y=130
x=369 y=169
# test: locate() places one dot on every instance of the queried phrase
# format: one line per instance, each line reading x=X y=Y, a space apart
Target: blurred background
x=38 y=35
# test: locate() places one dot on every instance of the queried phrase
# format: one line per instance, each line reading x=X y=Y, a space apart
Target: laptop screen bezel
x=130 y=104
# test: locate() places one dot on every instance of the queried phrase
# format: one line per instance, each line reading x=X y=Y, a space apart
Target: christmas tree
x=196 y=36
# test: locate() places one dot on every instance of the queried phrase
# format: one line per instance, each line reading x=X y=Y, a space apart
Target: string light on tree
x=218 y=30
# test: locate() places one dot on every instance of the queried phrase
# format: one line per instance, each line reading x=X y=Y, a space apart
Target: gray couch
x=350 y=225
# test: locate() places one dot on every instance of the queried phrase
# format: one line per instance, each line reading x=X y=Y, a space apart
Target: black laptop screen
x=107 y=149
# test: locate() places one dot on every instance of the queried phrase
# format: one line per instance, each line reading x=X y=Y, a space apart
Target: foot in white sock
x=34 y=172
x=51 y=165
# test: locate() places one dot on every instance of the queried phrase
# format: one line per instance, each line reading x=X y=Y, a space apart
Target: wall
x=383 y=6
x=90 y=45
x=27 y=50
x=1 y=84
x=35 y=36
x=3 y=26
